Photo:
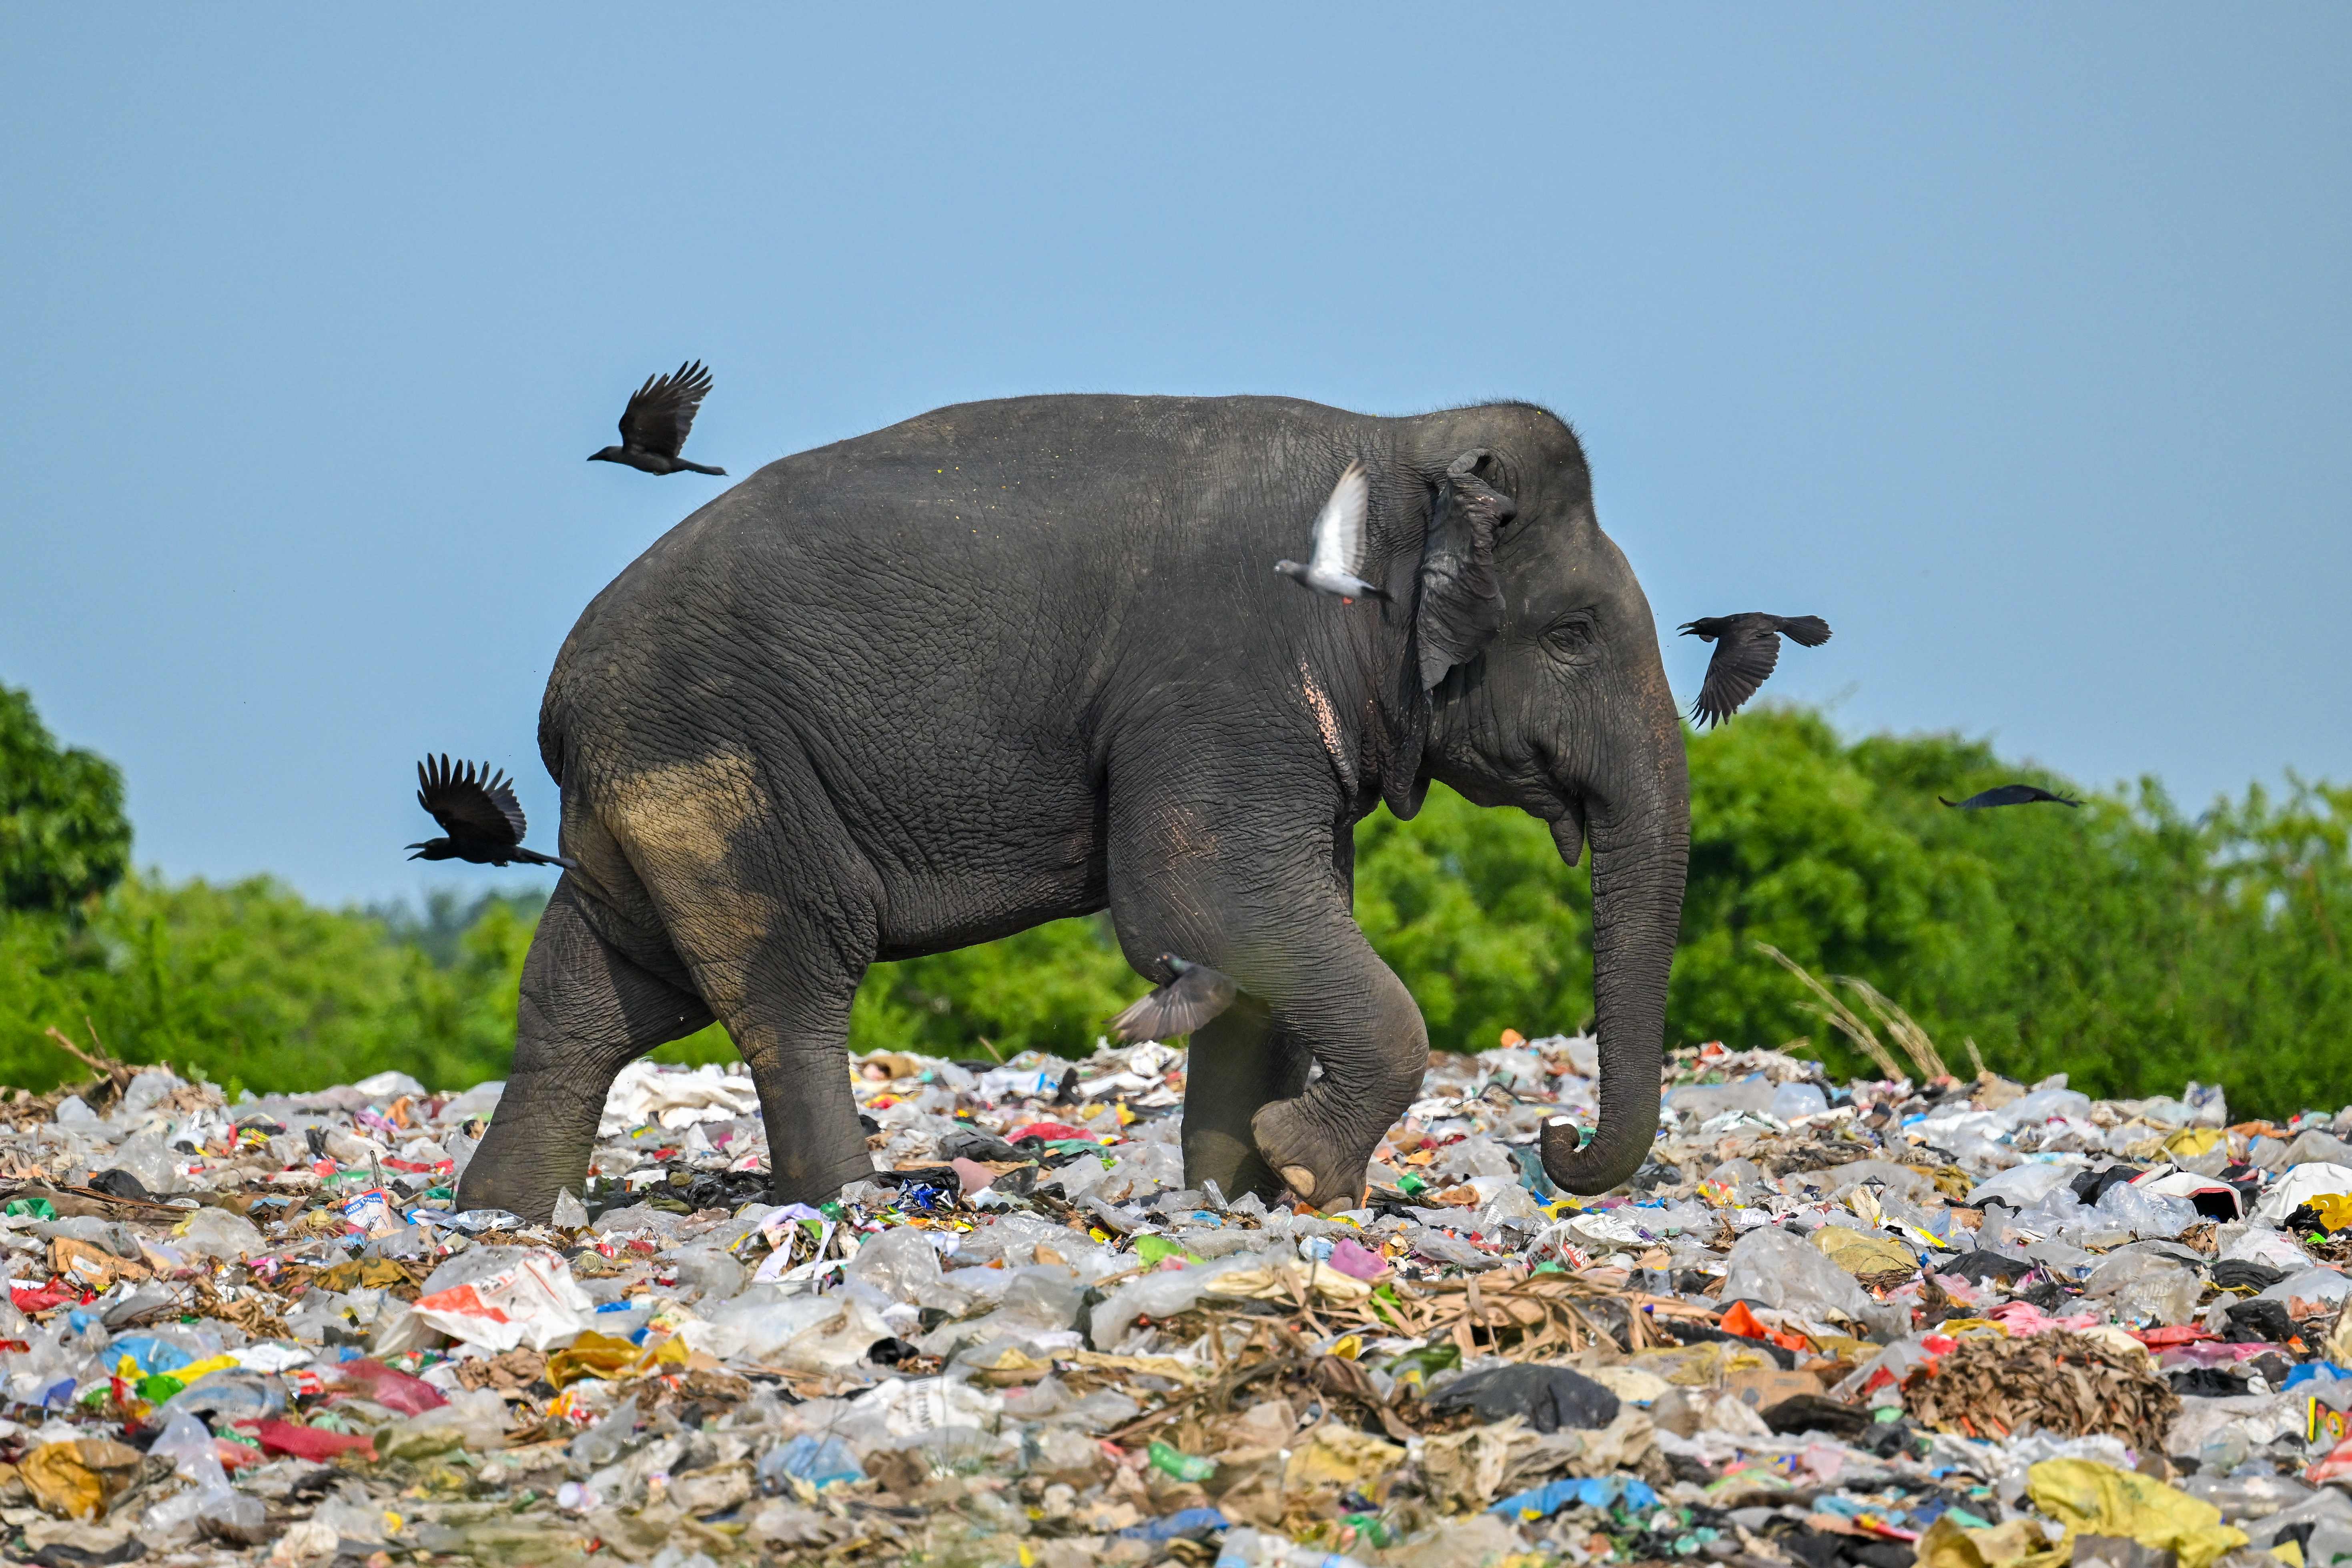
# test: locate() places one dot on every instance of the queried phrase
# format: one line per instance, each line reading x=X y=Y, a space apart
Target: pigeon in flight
x=654 y=424
x=2007 y=795
x=1195 y=995
x=480 y=813
x=1341 y=543
x=1747 y=646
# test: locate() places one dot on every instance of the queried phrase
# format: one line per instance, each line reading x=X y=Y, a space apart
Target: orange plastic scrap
x=1739 y=1321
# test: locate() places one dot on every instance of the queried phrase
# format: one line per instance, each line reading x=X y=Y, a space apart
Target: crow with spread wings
x=654 y=424
x=480 y=813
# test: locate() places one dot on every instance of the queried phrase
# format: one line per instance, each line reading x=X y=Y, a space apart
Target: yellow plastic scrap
x=2190 y=1141
x=79 y=1479
x=2335 y=1210
x=1341 y=1455
x=2016 y=1544
x=2100 y=1500
x=1864 y=1251
x=591 y=1355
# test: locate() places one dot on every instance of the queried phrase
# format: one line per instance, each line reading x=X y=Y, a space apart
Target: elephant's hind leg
x=775 y=914
x=586 y=1011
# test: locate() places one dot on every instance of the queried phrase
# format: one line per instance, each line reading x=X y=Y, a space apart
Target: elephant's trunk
x=1640 y=848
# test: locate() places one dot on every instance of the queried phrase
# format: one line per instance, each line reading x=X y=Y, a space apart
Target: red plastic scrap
x=394 y=1391
x=1051 y=1131
x=41 y=1300
x=315 y=1444
x=2164 y=1336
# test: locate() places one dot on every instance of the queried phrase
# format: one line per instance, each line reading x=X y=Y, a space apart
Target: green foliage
x=250 y=981
x=2124 y=943
x=63 y=837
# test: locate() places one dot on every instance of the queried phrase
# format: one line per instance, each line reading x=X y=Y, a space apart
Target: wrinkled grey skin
x=1018 y=660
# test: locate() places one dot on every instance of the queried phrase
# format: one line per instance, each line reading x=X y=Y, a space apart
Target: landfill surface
x=1959 y=1322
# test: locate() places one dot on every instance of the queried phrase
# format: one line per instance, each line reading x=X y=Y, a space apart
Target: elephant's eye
x=1572 y=637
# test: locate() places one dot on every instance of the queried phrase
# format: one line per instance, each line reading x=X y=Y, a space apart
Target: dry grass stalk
x=1899 y=1024
x=1840 y=1016
x=1976 y=1057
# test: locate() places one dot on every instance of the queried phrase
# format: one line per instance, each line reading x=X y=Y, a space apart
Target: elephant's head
x=1538 y=657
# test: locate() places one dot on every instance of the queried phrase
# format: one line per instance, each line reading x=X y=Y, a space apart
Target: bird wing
x=1340 y=535
x=1179 y=1007
x=469 y=805
x=662 y=411
x=1808 y=631
x=1743 y=657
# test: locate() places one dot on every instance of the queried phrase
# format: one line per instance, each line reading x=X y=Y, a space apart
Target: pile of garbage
x=1958 y=1323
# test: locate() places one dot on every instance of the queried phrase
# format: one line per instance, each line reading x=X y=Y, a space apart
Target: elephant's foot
x=814 y=1186
x=494 y=1185
x=1313 y=1161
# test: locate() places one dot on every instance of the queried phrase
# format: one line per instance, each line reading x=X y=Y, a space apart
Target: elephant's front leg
x=1260 y=902
x=1239 y=1063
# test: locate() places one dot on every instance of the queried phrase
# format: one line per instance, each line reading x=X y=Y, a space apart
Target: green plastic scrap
x=37 y=1208
x=1420 y=1365
x=1182 y=1466
x=1155 y=1249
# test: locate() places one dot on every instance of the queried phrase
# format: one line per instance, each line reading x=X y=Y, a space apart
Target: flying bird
x=1195 y=995
x=654 y=424
x=2007 y=795
x=1747 y=646
x=480 y=813
x=1342 y=540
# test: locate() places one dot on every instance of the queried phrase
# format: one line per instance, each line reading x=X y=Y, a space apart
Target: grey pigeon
x=2007 y=795
x=480 y=813
x=654 y=424
x=1341 y=541
x=1196 y=995
x=1747 y=646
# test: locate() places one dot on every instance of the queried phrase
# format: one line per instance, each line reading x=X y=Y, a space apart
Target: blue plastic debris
x=1184 y=1524
x=1590 y=1492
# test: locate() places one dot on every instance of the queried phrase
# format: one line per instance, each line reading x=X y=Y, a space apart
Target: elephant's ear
x=1460 y=603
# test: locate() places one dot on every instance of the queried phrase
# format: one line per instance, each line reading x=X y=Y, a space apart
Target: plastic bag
x=2146 y=1213
x=1792 y=1101
x=1781 y=1270
x=1545 y=1397
x=501 y=1297
x=217 y=1233
x=2145 y=1289
x=2099 y=1499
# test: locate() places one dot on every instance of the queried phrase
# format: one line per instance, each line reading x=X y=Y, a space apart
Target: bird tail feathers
x=1807 y=631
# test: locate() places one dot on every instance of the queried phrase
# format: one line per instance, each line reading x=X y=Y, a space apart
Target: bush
x=2126 y=944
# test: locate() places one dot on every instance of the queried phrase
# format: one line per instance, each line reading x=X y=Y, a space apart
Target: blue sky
x=2013 y=340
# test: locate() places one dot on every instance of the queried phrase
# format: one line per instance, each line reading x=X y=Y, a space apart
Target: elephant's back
x=977 y=559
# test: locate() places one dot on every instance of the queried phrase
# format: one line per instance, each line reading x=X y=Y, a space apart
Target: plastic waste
x=2093 y=1499
x=1793 y=1101
x=501 y=1297
x=1545 y=1397
x=217 y=1233
x=2146 y=1289
x=1778 y=1270
x=1246 y=1547
x=820 y=1461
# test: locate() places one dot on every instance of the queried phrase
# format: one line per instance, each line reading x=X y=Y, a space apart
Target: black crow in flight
x=1747 y=646
x=1194 y=995
x=481 y=814
x=654 y=424
x=2007 y=795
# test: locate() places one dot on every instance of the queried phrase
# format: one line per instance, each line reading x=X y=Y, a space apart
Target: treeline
x=2127 y=943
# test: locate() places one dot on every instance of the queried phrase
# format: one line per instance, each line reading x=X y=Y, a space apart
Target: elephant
x=1015 y=660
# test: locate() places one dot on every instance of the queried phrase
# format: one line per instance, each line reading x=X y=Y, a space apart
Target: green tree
x=64 y=839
